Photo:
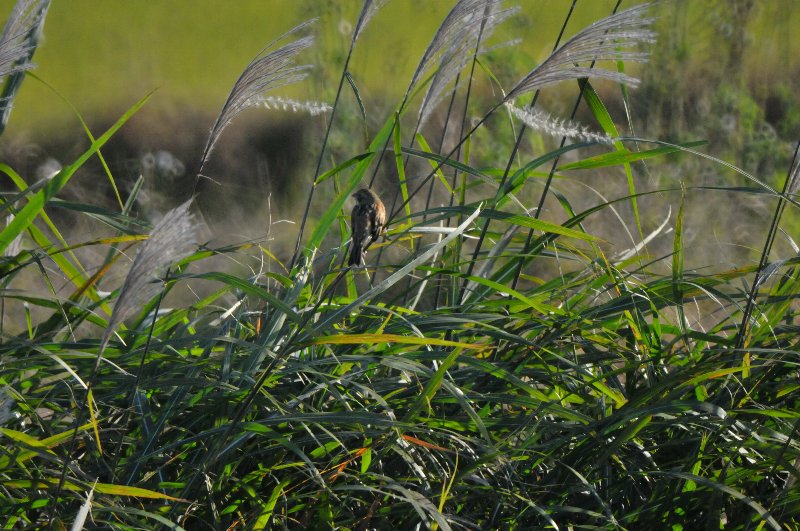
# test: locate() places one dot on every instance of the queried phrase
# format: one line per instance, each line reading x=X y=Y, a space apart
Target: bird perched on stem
x=367 y=221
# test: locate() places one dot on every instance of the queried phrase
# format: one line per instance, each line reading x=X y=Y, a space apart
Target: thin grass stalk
x=455 y=176
x=487 y=7
x=467 y=98
x=395 y=123
x=514 y=151
x=397 y=191
x=448 y=33
x=537 y=213
x=313 y=187
x=788 y=186
x=439 y=165
x=545 y=191
x=612 y=22
x=455 y=170
x=366 y=14
x=135 y=390
x=444 y=135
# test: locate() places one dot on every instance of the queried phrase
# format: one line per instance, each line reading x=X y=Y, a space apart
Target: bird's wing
x=374 y=223
x=360 y=223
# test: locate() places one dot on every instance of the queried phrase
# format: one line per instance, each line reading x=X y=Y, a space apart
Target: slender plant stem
x=513 y=155
x=540 y=207
x=313 y=186
x=788 y=184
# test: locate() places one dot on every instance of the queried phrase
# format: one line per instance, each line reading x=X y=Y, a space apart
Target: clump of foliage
x=488 y=368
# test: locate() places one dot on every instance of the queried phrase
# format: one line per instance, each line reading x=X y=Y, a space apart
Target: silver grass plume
x=606 y=39
x=368 y=10
x=171 y=240
x=268 y=71
x=557 y=127
x=21 y=35
x=470 y=31
x=288 y=104
x=465 y=13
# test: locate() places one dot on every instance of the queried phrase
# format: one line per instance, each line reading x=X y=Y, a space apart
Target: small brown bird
x=367 y=220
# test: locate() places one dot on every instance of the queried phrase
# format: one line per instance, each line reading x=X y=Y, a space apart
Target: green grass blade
x=36 y=203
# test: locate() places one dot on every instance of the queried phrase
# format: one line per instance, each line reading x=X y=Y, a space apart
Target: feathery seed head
x=606 y=39
x=20 y=35
x=468 y=34
x=171 y=240
x=557 y=127
x=268 y=71
x=368 y=10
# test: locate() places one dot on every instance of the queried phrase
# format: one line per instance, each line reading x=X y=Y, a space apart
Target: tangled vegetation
x=488 y=368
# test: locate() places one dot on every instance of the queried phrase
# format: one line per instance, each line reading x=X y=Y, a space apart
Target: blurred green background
x=103 y=56
x=725 y=71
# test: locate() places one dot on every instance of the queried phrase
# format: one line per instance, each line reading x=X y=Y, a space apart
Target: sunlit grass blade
x=36 y=203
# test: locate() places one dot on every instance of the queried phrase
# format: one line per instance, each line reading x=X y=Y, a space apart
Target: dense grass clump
x=496 y=365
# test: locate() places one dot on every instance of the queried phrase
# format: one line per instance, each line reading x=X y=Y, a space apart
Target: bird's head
x=363 y=195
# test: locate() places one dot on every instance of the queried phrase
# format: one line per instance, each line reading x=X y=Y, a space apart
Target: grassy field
x=101 y=62
x=193 y=50
x=503 y=360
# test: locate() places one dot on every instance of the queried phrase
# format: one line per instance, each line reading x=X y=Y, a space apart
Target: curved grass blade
x=36 y=203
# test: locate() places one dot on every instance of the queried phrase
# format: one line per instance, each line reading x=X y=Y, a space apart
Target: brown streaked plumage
x=367 y=221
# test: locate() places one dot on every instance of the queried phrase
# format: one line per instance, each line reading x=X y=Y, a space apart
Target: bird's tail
x=356 y=255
